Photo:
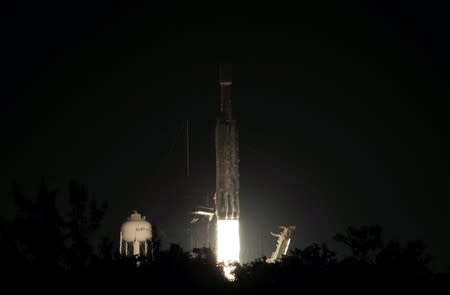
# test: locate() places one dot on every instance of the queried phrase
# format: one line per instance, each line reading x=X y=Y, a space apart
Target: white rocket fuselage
x=227 y=153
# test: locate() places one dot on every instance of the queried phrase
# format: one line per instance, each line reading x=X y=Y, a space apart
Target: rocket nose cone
x=225 y=73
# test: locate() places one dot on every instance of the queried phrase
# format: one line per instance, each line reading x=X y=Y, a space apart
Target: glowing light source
x=228 y=245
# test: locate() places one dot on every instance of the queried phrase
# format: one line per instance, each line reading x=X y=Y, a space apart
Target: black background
x=342 y=110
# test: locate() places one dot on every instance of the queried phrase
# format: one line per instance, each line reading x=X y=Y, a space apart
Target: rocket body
x=227 y=153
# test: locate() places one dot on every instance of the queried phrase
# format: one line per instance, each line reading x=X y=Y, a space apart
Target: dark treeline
x=43 y=244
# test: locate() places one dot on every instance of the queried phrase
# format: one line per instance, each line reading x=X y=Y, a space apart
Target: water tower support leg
x=120 y=246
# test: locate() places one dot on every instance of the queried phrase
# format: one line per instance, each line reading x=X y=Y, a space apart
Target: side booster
x=227 y=152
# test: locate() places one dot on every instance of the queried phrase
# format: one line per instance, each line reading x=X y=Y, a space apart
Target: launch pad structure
x=283 y=241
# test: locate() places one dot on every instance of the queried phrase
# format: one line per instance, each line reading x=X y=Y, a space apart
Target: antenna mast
x=187 y=149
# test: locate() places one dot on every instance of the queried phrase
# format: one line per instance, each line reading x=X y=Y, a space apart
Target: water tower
x=135 y=235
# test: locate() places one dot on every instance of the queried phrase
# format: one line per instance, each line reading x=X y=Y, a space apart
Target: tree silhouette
x=37 y=229
x=84 y=219
x=314 y=255
x=362 y=241
x=39 y=239
x=410 y=259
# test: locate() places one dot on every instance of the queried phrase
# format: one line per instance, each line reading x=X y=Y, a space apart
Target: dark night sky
x=342 y=110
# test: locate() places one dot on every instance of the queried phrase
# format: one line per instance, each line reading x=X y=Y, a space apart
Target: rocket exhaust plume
x=227 y=177
x=228 y=245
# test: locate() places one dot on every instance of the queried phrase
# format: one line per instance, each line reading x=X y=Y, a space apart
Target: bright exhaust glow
x=228 y=245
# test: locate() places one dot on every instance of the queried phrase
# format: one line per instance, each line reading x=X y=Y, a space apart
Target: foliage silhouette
x=40 y=240
x=362 y=241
